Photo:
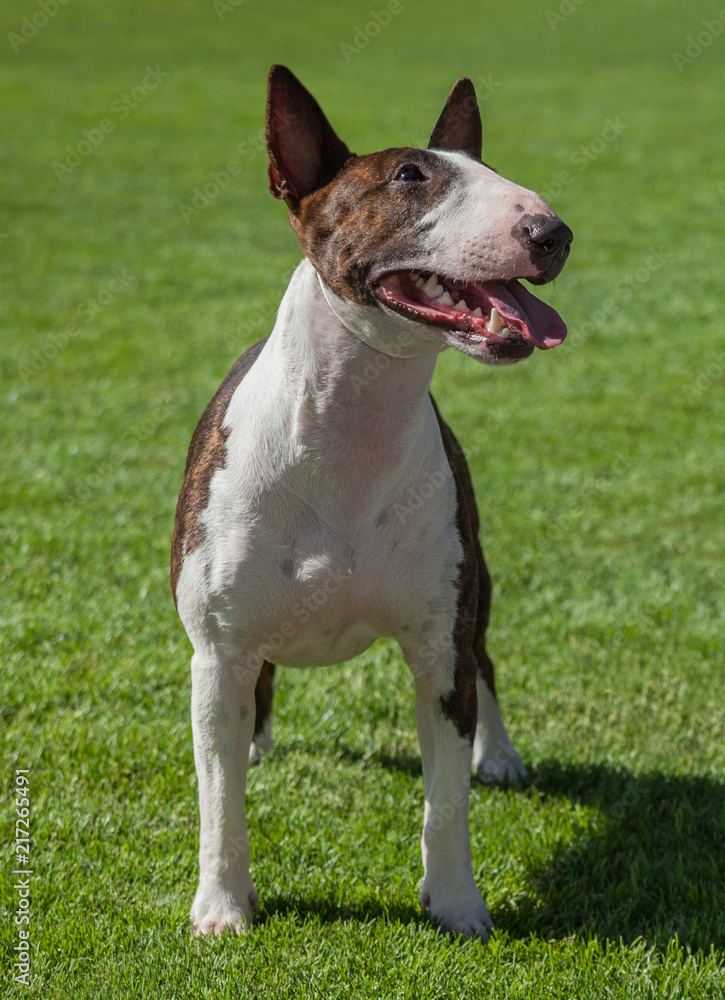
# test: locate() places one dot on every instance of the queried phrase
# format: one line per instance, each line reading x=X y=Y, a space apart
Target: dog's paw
x=503 y=766
x=261 y=744
x=257 y=750
x=216 y=911
x=465 y=913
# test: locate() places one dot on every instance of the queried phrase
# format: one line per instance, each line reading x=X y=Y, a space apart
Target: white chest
x=317 y=542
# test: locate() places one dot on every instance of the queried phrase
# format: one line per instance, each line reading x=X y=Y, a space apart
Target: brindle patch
x=457 y=458
x=367 y=219
x=474 y=596
x=207 y=453
x=349 y=212
x=263 y=696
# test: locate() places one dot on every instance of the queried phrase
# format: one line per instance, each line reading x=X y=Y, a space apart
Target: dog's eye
x=409 y=172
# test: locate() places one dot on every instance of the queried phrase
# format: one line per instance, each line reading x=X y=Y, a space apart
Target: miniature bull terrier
x=326 y=503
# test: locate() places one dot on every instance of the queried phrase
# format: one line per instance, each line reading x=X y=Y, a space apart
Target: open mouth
x=498 y=321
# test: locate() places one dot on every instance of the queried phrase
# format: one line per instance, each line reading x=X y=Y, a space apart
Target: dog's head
x=432 y=240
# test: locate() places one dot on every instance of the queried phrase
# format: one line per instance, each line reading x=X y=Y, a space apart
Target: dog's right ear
x=459 y=126
x=304 y=151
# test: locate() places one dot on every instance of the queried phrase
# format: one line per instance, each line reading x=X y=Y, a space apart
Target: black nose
x=547 y=240
x=548 y=237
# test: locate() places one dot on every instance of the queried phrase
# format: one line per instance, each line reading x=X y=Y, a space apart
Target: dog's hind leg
x=495 y=759
x=263 y=697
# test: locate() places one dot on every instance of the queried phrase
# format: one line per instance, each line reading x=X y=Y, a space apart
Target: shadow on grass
x=654 y=869
x=329 y=911
x=403 y=763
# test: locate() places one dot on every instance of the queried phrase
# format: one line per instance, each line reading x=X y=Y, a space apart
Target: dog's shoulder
x=206 y=455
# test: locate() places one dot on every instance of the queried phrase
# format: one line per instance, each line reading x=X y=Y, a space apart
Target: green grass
x=599 y=469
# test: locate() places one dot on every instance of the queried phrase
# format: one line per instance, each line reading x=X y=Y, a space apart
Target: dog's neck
x=388 y=334
x=339 y=387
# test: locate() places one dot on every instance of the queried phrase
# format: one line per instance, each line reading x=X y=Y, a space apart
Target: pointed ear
x=459 y=126
x=304 y=151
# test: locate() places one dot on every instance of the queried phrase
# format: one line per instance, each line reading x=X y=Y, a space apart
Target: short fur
x=325 y=501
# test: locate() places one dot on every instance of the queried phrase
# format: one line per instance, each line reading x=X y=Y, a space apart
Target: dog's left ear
x=305 y=153
x=459 y=126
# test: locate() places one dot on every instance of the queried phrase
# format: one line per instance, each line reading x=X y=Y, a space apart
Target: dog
x=326 y=503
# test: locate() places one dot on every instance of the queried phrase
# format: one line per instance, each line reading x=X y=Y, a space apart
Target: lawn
x=137 y=263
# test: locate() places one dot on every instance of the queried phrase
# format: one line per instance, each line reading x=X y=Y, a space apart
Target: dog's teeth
x=505 y=333
x=420 y=283
x=445 y=299
x=414 y=276
x=461 y=306
x=437 y=292
x=494 y=324
x=477 y=312
x=431 y=284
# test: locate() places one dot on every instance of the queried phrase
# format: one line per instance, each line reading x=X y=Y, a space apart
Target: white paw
x=494 y=758
x=500 y=766
x=261 y=744
x=463 y=913
x=218 y=910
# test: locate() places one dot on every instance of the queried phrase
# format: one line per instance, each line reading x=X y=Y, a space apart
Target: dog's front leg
x=222 y=715
x=446 y=721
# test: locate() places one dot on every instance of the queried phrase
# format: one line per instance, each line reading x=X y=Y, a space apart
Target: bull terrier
x=325 y=501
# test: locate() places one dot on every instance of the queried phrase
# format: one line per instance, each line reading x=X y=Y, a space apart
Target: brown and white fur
x=325 y=502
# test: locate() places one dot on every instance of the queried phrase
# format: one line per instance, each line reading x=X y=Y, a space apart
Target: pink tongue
x=526 y=315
